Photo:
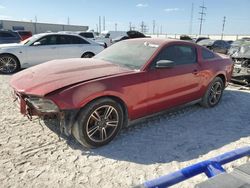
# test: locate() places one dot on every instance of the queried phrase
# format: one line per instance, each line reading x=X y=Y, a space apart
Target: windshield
x=206 y=42
x=132 y=54
x=30 y=40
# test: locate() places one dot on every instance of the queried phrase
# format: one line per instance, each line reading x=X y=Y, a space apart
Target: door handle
x=195 y=72
x=53 y=47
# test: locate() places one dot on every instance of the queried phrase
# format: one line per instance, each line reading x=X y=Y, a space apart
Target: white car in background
x=45 y=47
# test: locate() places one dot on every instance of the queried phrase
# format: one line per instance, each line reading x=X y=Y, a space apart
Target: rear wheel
x=98 y=123
x=213 y=94
x=9 y=64
x=88 y=55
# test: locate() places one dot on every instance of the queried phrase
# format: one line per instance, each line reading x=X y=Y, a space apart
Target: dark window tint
x=64 y=39
x=67 y=39
x=218 y=43
x=6 y=35
x=179 y=54
x=48 y=40
x=87 y=35
x=135 y=34
x=78 y=40
x=206 y=54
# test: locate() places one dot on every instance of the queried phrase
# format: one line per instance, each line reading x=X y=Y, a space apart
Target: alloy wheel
x=215 y=93
x=102 y=123
x=8 y=64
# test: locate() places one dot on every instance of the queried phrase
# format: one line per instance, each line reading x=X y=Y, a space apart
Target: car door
x=71 y=46
x=42 y=50
x=169 y=87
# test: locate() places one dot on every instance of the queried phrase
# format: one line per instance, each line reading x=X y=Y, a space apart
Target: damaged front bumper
x=45 y=109
x=241 y=72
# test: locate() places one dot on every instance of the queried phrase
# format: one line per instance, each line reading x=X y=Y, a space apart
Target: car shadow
x=177 y=136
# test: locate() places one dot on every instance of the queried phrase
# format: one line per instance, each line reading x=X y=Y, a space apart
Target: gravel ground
x=31 y=155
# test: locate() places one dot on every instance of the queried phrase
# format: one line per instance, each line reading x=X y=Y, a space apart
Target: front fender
x=77 y=97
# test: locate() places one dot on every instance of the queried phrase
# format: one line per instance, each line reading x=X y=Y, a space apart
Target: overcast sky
x=172 y=15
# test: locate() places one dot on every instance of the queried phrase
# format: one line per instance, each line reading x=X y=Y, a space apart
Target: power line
x=153 y=27
x=202 y=13
x=100 y=24
x=191 y=20
x=223 y=27
x=104 y=23
x=143 y=27
x=68 y=20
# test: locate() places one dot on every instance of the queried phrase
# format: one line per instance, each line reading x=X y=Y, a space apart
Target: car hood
x=48 y=77
x=11 y=45
x=241 y=52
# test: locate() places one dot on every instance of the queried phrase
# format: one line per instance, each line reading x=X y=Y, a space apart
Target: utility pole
x=97 y=28
x=202 y=13
x=143 y=27
x=161 y=30
x=115 y=26
x=223 y=27
x=35 y=24
x=68 y=20
x=191 y=20
x=100 y=24
x=130 y=26
x=153 y=27
x=104 y=23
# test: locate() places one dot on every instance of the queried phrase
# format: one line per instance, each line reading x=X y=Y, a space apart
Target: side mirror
x=37 y=44
x=164 y=64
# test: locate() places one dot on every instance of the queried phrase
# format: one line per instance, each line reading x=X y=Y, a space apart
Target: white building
x=35 y=27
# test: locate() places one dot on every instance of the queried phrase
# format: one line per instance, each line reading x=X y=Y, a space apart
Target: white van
x=107 y=36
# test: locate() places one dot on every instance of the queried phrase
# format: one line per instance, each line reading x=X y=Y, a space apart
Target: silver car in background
x=45 y=47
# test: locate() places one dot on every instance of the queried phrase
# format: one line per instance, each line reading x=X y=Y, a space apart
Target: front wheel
x=8 y=64
x=213 y=94
x=98 y=123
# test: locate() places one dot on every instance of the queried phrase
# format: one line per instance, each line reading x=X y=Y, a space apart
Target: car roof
x=53 y=33
x=160 y=41
x=69 y=34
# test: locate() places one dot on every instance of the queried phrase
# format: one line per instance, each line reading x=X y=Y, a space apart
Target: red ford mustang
x=94 y=98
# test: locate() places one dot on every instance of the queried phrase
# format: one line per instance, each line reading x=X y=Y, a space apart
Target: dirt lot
x=31 y=155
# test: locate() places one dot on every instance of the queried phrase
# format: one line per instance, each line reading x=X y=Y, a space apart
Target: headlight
x=43 y=105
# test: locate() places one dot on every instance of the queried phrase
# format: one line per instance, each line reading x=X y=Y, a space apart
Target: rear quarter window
x=207 y=54
x=78 y=40
x=87 y=35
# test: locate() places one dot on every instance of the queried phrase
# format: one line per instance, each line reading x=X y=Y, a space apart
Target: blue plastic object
x=211 y=167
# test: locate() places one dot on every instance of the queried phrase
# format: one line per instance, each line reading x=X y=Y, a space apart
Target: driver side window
x=48 y=40
x=179 y=54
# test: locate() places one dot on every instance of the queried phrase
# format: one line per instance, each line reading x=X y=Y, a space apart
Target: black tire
x=89 y=131
x=213 y=94
x=88 y=55
x=9 y=64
